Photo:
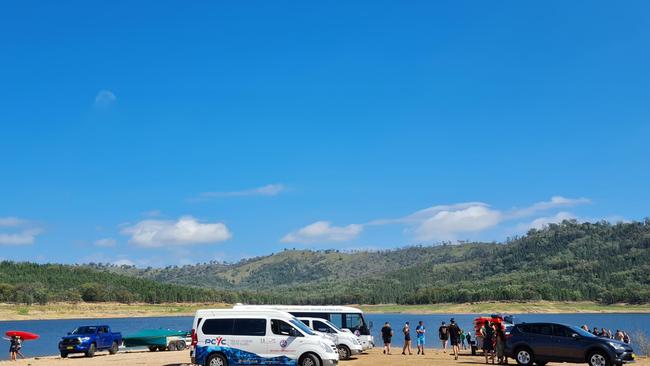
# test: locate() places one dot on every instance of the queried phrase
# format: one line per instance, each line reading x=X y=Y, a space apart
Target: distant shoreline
x=13 y=312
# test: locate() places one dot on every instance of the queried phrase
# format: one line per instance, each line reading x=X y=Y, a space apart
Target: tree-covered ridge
x=569 y=261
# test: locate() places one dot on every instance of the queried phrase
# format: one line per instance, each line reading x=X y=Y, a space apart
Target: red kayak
x=25 y=336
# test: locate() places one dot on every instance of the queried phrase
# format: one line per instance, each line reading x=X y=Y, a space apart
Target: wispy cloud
x=445 y=222
x=105 y=243
x=104 y=98
x=323 y=231
x=185 y=231
x=540 y=222
x=267 y=190
x=18 y=231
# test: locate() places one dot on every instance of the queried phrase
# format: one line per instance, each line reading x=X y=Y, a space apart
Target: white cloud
x=105 y=243
x=267 y=190
x=10 y=221
x=24 y=237
x=152 y=213
x=184 y=231
x=540 y=222
x=124 y=262
x=447 y=224
x=104 y=98
x=323 y=231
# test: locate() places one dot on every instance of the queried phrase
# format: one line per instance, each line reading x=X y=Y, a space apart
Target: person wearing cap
x=443 y=334
x=454 y=337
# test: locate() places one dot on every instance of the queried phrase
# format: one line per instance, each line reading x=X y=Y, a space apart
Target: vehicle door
x=284 y=340
x=567 y=346
x=541 y=341
x=247 y=338
x=102 y=337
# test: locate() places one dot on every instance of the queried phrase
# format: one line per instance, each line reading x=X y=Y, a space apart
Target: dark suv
x=540 y=343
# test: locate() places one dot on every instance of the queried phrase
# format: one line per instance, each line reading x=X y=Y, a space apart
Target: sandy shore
x=84 y=310
x=375 y=357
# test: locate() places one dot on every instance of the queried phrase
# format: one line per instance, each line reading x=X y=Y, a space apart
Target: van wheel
x=309 y=359
x=114 y=348
x=524 y=356
x=91 y=350
x=216 y=360
x=598 y=358
x=344 y=352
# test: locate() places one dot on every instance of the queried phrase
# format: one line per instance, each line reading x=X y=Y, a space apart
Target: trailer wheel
x=153 y=348
x=181 y=345
x=171 y=346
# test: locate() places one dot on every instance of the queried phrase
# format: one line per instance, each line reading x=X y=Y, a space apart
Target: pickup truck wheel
x=598 y=358
x=91 y=350
x=153 y=348
x=114 y=348
x=344 y=352
x=64 y=354
x=216 y=360
x=524 y=356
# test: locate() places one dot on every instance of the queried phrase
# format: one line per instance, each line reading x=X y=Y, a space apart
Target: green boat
x=158 y=339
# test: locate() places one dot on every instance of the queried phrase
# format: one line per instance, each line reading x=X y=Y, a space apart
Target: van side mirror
x=294 y=333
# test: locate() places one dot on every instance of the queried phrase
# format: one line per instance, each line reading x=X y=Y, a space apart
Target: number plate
x=70 y=347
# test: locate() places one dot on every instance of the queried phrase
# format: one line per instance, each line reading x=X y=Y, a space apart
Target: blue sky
x=160 y=133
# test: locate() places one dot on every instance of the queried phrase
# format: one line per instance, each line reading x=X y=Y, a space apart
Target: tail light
x=195 y=339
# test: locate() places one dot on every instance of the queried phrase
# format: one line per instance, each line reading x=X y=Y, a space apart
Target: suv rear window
x=543 y=329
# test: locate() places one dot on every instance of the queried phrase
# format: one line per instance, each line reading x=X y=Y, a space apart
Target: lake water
x=51 y=330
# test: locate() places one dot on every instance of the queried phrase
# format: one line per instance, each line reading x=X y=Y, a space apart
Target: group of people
x=15 y=345
x=451 y=333
x=491 y=338
x=619 y=335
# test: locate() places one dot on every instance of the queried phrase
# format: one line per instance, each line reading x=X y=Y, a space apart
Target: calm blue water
x=51 y=330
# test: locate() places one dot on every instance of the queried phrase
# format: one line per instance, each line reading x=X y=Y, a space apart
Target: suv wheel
x=598 y=358
x=524 y=357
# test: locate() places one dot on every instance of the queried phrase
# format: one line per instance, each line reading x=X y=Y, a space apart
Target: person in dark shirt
x=387 y=335
x=443 y=334
x=454 y=337
x=407 y=339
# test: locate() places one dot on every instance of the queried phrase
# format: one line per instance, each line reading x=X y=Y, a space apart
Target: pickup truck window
x=85 y=330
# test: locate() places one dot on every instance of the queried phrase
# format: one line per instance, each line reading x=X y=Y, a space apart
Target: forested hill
x=569 y=261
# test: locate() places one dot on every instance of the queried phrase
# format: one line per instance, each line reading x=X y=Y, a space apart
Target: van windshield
x=300 y=325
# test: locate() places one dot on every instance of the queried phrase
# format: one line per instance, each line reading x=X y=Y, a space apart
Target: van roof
x=204 y=313
x=303 y=308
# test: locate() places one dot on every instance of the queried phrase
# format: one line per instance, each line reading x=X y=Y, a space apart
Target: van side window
x=322 y=327
x=353 y=321
x=217 y=326
x=280 y=327
x=249 y=327
x=305 y=322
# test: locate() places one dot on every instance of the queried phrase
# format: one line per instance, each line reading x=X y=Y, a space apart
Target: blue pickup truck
x=90 y=339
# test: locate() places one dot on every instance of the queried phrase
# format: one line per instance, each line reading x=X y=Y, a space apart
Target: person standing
x=387 y=335
x=420 y=332
x=443 y=334
x=462 y=339
x=626 y=338
x=502 y=358
x=14 y=348
x=454 y=337
x=488 y=341
x=407 y=339
x=585 y=328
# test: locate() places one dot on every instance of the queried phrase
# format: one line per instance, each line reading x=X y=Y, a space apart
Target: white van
x=347 y=343
x=344 y=317
x=254 y=337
